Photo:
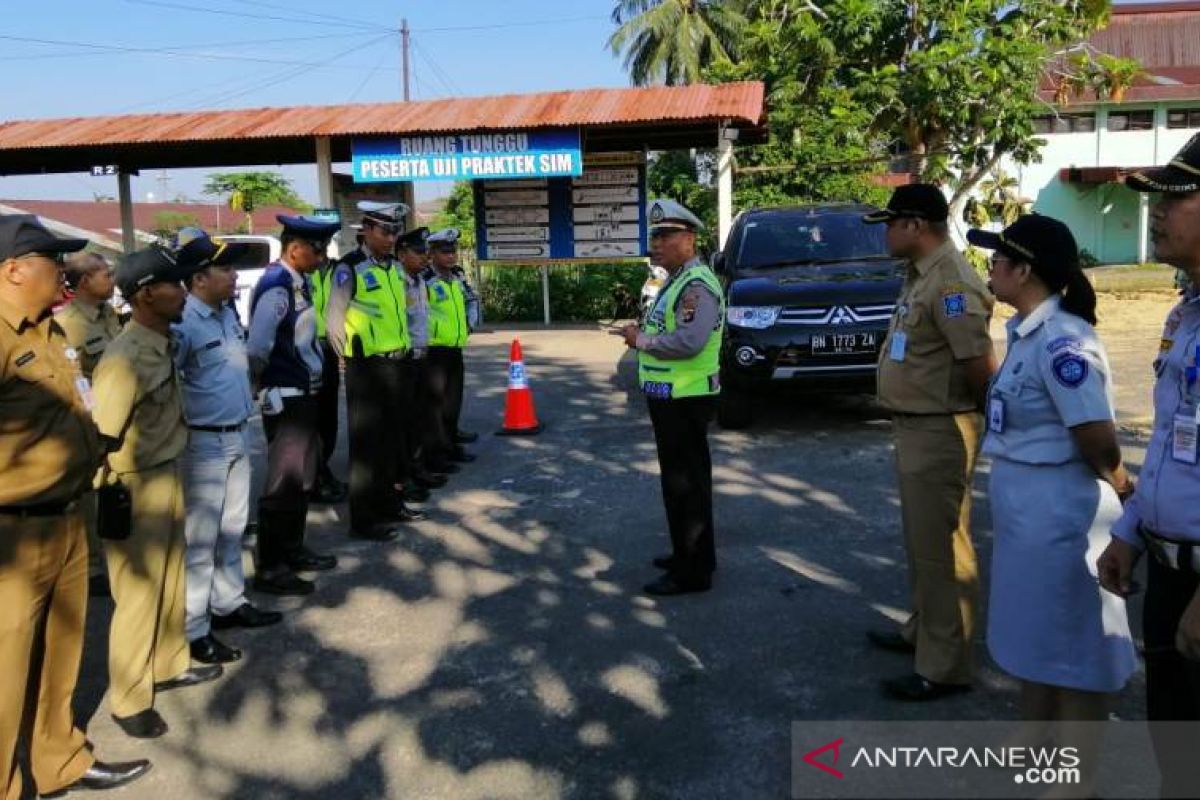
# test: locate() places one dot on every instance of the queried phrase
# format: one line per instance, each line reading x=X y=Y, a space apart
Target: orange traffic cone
x=519 y=416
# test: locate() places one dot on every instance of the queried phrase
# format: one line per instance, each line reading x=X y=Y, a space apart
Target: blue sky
x=220 y=53
x=226 y=54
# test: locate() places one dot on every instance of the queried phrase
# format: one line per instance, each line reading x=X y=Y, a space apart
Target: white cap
x=670 y=215
x=444 y=236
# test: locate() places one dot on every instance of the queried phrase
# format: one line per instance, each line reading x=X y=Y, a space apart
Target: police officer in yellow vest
x=366 y=322
x=453 y=314
x=679 y=345
x=329 y=489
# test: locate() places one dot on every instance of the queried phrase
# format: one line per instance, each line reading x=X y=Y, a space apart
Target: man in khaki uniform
x=49 y=451
x=139 y=411
x=934 y=369
x=90 y=323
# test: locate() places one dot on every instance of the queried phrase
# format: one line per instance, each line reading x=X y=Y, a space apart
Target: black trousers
x=1172 y=681
x=404 y=412
x=327 y=400
x=372 y=386
x=681 y=434
x=444 y=381
x=293 y=455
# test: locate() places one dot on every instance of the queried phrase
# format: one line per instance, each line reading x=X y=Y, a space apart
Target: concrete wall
x=1104 y=218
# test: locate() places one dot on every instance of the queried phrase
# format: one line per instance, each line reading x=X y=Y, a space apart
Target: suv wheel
x=734 y=409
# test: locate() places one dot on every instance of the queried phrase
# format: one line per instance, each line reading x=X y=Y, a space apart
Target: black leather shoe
x=246 y=616
x=192 y=677
x=445 y=468
x=147 y=724
x=916 y=688
x=379 y=533
x=414 y=493
x=305 y=560
x=283 y=583
x=891 y=640
x=462 y=456
x=430 y=480
x=465 y=437
x=406 y=514
x=664 y=561
x=211 y=650
x=98 y=586
x=670 y=585
x=101 y=776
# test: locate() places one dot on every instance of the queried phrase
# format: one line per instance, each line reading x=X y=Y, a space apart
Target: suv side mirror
x=718 y=262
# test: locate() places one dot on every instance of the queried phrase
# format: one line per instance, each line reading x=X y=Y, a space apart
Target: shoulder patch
x=1070 y=369
x=342 y=276
x=1064 y=343
x=954 y=303
x=25 y=358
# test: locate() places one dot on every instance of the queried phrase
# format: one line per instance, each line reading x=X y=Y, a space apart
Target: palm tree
x=672 y=41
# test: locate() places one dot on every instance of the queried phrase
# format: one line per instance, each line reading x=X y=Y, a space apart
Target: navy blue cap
x=313 y=229
x=416 y=239
x=915 y=200
x=155 y=264
x=194 y=248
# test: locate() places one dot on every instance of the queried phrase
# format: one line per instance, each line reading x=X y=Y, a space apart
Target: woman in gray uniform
x=1056 y=485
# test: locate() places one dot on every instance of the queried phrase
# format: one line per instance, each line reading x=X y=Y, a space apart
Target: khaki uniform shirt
x=941 y=320
x=89 y=329
x=49 y=448
x=138 y=401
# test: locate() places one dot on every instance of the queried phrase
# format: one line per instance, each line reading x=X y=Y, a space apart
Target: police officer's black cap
x=317 y=230
x=195 y=249
x=155 y=264
x=22 y=234
x=414 y=240
x=1181 y=175
x=916 y=201
x=1033 y=239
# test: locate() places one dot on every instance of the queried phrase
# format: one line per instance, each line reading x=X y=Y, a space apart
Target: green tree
x=250 y=190
x=673 y=41
x=459 y=212
x=168 y=223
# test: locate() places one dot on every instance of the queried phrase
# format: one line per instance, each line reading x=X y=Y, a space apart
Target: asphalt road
x=502 y=649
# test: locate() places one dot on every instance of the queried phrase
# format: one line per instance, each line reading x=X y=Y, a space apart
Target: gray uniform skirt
x=1048 y=619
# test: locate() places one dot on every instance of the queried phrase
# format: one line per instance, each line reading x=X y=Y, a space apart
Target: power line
x=371 y=74
x=175 y=52
x=277 y=7
x=296 y=73
x=199 y=9
x=527 y=24
x=172 y=48
x=438 y=73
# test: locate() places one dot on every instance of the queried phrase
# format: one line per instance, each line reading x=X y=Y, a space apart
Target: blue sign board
x=468 y=156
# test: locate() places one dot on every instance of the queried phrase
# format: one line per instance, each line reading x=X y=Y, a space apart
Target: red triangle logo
x=810 y=758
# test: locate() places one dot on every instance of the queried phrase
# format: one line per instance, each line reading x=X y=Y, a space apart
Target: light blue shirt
x=416 y=307
x=1167 y=498
x=1055 y=376
x=213 y=369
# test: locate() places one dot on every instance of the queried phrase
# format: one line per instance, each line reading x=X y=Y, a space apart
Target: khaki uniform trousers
x=89 y=510
x=43 y=602
x=146 y=643
x=935 y=461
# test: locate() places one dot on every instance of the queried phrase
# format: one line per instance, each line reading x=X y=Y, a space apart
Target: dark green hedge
x=577 y=293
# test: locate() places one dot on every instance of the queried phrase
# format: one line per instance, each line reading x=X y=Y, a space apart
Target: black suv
x=810 y=291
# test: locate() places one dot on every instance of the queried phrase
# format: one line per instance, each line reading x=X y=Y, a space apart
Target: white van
x=259 y=252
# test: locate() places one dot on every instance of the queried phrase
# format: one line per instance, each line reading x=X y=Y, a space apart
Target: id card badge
x=898 y=346
x=84 y=387
x=1183 y=438
x=996 y=415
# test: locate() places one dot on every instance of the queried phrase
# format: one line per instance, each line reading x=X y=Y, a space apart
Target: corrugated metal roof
x=1157 y=35
x=741 y=103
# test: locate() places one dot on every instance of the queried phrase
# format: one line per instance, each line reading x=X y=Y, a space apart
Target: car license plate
x=836 y=344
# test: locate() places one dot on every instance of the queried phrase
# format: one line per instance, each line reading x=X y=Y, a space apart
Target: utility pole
x=404 y=55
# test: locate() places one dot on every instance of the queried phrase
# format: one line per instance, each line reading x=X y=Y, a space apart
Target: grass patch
x=1134 y=279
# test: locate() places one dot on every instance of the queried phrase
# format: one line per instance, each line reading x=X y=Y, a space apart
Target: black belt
x=218 y=428
x=1179 y=555
x=39 y=509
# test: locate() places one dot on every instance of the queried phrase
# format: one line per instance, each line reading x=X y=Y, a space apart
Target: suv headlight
x=757 y=317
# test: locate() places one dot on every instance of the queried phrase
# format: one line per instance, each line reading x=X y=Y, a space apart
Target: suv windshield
x=779 y=238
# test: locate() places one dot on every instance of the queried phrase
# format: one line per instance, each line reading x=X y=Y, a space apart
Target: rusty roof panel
x=1158 y=35
x=741 y=103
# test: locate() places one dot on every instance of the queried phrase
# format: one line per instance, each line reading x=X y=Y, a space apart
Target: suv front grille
x=836 y=314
